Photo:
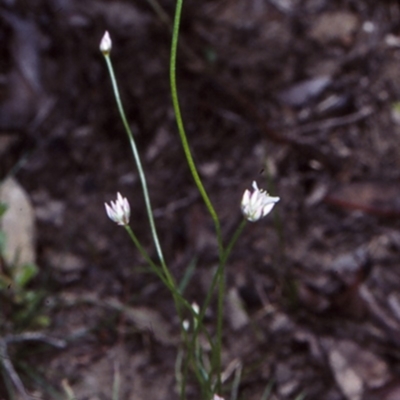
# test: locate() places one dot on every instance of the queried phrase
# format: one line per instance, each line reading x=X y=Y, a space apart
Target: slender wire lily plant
x=255 y=205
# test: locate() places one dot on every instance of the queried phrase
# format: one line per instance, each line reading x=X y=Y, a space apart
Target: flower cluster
x=258 y=204
x=119 y=211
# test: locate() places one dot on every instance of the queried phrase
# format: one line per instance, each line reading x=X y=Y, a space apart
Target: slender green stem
x=220 y=312
x=116 y=383
x=180 y=381
x=185 y=367
x=223 y=253
x=221 y=296
x=221 y=266
x=236 y=382
x=219 y=277
x=168 y=276
x=137 y=160
x=155 y=268
x=181 y=128
x=268 y=390
x=139 y=246
x=156 y=6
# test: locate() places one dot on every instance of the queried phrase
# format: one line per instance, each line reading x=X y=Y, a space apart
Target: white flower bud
x=106 y=44
x=186 y=325
x=195 y=308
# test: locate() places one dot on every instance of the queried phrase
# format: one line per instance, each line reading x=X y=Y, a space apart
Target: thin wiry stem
x=181 y=128
x=137 y=161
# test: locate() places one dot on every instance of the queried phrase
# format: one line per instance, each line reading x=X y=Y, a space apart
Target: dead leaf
x=147 y=319
x=355 y=368
x=18 y=224
x=236 y=314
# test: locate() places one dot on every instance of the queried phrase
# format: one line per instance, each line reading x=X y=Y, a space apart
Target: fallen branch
x=8 y=366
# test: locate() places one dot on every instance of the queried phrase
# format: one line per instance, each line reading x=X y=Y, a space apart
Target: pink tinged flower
x=119 y=211
x=106 y=44
x=216 y=397
x=258 y=204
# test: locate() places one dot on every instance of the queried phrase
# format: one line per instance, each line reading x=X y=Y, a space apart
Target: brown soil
x=298 y=95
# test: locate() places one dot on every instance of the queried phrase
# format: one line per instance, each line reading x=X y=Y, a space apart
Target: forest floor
x=301 y=96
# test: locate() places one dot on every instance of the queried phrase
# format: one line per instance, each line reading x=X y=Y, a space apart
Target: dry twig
x=8 y=365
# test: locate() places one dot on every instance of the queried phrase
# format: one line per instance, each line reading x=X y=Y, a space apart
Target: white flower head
x=195 y=308
x=106 y=44
x=216 y=397
x=258 y=204
x=119 y=211
x=186 y=325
